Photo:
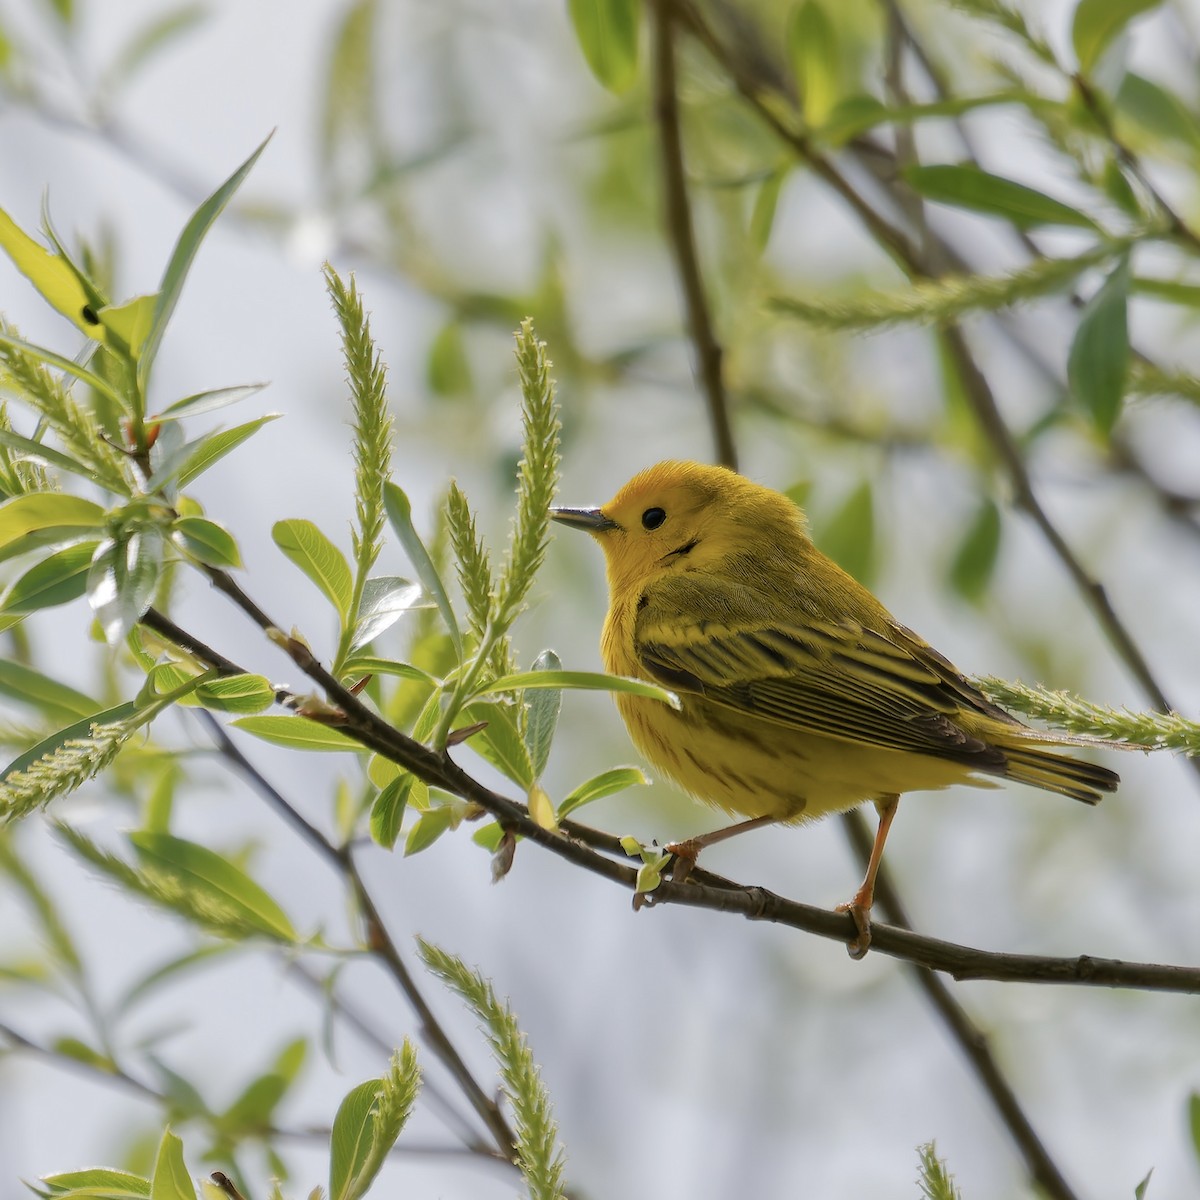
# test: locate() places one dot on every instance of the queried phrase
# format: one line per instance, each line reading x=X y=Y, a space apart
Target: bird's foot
x=858 y=947
x=684 y=858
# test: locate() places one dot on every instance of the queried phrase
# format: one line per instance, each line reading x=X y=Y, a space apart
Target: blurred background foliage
x=949 y=251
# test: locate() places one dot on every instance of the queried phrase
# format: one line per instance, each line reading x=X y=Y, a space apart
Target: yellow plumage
x=801 y=695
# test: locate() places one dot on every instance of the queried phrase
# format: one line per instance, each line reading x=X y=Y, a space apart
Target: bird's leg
x=687 y=852
x=860 y=907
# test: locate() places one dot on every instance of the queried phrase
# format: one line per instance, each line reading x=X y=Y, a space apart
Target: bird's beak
x=591 y=519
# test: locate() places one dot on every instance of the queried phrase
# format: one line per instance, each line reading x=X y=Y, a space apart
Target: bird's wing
x=835 y=678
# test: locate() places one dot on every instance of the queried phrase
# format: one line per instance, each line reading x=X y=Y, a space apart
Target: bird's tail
x=1074 y=777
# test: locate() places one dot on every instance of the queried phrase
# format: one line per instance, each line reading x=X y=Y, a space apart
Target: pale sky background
x=688 y=1054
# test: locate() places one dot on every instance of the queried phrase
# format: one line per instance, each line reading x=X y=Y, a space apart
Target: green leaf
x=973 y=565
x=59 y=363
x=762 y=217
x=80 y=729
x=150 y=38
x=98 y=1180
x=128 y=324
x=849 y=536
x=181 y=261
x=53 y=277
x=206 y=402
x=237 y=694
x=371 y=664
x=593 y=681
x=607 y=783
x=1157 y=110
x=297 y=733
x=56 y=700
x=385 y=599
x=1194 y=1121
x=1098 y=22
x=1139 y=1192
x=388 y=811
x=80 y=1051
x=812 y=45
x=541 y=716
x=399 y=512
x=201 y=454
x=207 y=541
x=319 y=559
x=1172 y=291
x=1098 y=363
x=27 y=448
x=448 y=369
x=500 y=742
x=967 y=186
x=256 y=1105
x=171 y=1180
x=204 y=872
x=350 y=1140
x=607 y=31
x=58 y=579
x=428 y=829
x=65 y=516
x=122 y=579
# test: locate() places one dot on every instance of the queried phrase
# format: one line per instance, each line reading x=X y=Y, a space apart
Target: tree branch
x=681 y=233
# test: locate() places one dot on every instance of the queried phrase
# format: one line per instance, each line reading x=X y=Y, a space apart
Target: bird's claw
x=684 y=855
x=858 y=947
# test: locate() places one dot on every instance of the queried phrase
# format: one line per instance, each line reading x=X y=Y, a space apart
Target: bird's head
x=683 y=516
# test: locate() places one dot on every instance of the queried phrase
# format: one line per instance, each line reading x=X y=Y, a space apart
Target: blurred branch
x=681 y=234
x=589 y=849
x=966 y=1033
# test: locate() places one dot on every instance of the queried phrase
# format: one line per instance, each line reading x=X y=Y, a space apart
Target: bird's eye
x=652 y=518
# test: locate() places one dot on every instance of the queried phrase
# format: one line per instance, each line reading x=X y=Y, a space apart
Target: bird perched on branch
x=800 y=694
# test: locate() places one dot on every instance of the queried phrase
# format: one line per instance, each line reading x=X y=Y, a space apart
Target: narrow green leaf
x=607 y=31
x=427 y=830
x=98 y=1181
x=579 y=680
x=1139 y=1192
x=541 y=715
x=500 y=742
x=69 y=366
x=27 y=448
x=128 y=324
x=813 y=48
x=58 y=284
x=371 y=664
x=37 y=511
x=166 y=973
x=171 y=1180
x=122 y=580
x=974 y=562
x=967 y=186
x=206 y=451
x=181 y=261
x=849 y=535
x=80 y=1051
x=399 y=512
x=207 y=541
x=1098 y=22
x=80 y=729
x=57 y=579
x=297 y=733
x=319 y=559
x=1194 y=1122
x=55 y=700
x=388 y=810
x=1098 y=363
x=1172 y=291
x=237 y=694
x=255 y=1106
x=1157 y=110
x=607 y=783
x=151 y=37
x=762 y=216
x=350 y=1139
x=385 y=599
x=205 y=872
x=447 y=367
x=206 y=402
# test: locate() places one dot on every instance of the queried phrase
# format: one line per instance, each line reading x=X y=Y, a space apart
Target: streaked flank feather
x=800 y=694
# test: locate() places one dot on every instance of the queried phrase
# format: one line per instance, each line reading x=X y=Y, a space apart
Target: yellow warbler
x=801 y=695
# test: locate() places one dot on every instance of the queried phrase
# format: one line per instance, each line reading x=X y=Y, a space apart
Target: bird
x=799 y=694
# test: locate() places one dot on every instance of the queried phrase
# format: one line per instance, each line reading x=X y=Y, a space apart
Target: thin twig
x=681 y=233
x=590 y=849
